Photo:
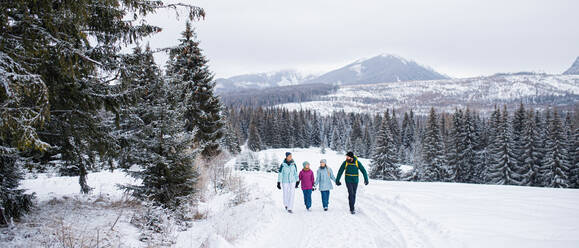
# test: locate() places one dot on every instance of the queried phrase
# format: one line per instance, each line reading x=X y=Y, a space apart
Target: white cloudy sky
x=461 y=38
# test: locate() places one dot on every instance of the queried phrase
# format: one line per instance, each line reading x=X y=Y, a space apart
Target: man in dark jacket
x=351 y=167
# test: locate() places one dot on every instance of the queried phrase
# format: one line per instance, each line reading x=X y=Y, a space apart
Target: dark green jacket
x=352 y=172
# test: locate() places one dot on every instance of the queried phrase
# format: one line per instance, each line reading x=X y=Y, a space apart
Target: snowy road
x=380 y=222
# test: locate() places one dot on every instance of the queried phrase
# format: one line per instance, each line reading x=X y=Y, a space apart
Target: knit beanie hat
x=350 y=154
x=287 y=154
x=323 y=161
x=305 y=163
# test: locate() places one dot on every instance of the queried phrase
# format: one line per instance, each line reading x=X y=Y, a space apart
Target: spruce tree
x=230 y=141
x=570 y=149
x=432 y=147
x=555 y=164
x=160 y=144
x=503 y=165
x=13 y=201
x=518 y=144
x=254 y=140
x=384 y=160
x=203 y=113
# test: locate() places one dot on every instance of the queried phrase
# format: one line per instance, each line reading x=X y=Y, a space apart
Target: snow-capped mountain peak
x=382 y=68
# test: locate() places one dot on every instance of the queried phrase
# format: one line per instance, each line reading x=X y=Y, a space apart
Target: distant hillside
x=261 y=80
x=480 y=93
x=574 y=69
x=379 y=69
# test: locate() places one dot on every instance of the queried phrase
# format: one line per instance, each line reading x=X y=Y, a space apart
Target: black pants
x=352 y=187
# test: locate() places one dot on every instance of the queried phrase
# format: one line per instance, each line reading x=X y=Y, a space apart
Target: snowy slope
x=408 y=214
x=536 y=90
x=574 y=69
x=390 y=214
x=261 y=80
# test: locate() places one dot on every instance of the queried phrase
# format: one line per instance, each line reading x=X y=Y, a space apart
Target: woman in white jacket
x=287 y=177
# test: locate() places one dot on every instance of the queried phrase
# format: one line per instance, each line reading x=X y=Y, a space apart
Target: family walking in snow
x=288 y=180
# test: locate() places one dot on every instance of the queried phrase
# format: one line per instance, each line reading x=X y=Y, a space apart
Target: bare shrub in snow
x=157 y=225
x=239 y=190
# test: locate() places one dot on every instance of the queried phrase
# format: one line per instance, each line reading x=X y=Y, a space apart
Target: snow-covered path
x=410 y=214
x=379 y=222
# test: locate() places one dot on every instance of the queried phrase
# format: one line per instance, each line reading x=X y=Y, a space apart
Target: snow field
x=390 y=214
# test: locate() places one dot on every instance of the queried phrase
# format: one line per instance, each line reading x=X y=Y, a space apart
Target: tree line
x=524 y=147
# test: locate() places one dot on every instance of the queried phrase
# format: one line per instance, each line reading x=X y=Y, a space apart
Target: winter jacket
x=307 y=178
x=288 y=172
x=352 y=171
x=323 y=180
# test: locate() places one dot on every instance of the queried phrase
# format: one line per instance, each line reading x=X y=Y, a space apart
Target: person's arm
x=340 y=171
x=332 y=177
x=300 y=176
x=295 y=170
x=317 y=179
x=279 y=175
x=363 y=172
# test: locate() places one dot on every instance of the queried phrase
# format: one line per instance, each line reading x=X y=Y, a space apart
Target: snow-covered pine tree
x=337 y=144
x=395 y=130
x=254 y=140
x=454 y=147
x=503 y=166
x=82 y=43
x=574 y=154
x=315 y=132
x=432 y=151
x=13 y=201
x=518 y=145
x=204 y=109
x=367 y=146
x=384 y=160
x=555 y=165
x=230 y=140
x=407 y=137
x=324 y=145
x=568 y=128
x=162 y=147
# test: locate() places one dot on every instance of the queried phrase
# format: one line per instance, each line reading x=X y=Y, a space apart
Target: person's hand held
x=297 y=184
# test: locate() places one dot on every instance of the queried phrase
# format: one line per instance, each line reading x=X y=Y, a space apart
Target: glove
x=297 y=184
x=314 y=189
x=278 y=185
x=365 y=182
x=338 y=183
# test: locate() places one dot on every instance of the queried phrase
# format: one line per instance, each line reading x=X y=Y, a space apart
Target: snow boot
x=353 y=212
x=286 y=208
x=325 y=209
x=289 y=211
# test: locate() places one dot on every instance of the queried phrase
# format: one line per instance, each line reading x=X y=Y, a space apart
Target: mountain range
x=383 y=68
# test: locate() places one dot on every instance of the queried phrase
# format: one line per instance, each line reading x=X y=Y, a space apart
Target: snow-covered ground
x=390 y=214
x=446 y=95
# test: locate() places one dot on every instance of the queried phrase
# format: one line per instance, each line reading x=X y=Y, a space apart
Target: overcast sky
x=460 y=38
